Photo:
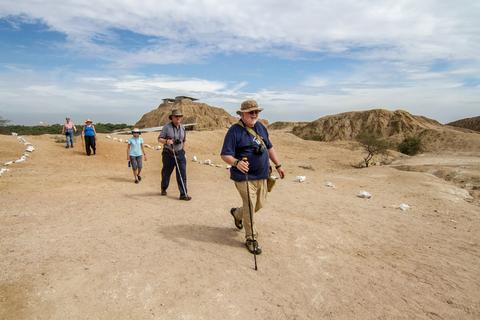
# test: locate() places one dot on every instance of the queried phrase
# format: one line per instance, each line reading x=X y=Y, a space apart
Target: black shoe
x=238 y=223
x=186 y=198
x=253 y=247
x=137 y=181
x=164 y=192
x=139 y=178
x=67 y=147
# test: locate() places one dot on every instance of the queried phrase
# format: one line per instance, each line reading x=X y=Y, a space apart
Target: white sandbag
x=8 y=163
x=22 y=159
x=115 y=139
x=14 y=134
x=364 y=194
x=404 y=207
x=30 y=148
x=108 y=137
x=3 y=170
x=329 y=184
x=207 y=162
x=121 y=140
x=194 y=159
x=300 y=178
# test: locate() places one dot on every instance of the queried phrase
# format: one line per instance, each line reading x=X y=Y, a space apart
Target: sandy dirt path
x=79 y=240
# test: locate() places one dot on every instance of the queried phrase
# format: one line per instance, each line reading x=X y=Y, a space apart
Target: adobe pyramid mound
x=205 y=116
x=394 y=125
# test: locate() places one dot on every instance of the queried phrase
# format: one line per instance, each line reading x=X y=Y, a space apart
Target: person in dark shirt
x=248 y=139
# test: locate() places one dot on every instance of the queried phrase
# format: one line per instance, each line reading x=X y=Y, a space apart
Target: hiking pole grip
x=251 y=216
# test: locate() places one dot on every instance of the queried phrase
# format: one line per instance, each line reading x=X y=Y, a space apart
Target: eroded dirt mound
x=393 y=125
x=285 y=125
x=205 y=116
x=467 y=123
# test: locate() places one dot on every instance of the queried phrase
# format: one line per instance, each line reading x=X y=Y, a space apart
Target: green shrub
x=410 y=146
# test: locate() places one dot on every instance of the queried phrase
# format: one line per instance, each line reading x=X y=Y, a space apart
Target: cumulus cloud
x=387 y=30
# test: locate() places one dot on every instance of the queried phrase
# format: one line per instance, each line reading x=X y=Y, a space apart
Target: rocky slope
x=467 y=123
x=393 y=125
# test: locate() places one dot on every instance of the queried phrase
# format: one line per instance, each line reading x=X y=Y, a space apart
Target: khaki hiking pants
x=258 y=196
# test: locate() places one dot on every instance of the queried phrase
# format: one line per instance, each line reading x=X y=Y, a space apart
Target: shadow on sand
x=122 y=179
x=200 y=233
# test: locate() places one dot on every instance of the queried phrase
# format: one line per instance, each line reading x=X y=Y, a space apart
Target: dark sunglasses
x=254 y=112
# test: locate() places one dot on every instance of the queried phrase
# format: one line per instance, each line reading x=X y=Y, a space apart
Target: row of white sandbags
x=29 y=148
x=126 y=141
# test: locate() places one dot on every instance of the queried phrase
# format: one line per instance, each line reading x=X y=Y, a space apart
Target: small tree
x=410 y=146
x=3 y=121
x=3 y=129
x=373 y=145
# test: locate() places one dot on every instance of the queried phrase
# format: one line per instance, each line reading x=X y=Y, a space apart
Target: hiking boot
x=163 y=193
x=186 y=198
x=253 y=247
x=238 y=222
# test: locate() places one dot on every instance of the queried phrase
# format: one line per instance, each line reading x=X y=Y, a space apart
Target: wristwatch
x=236 y=163
x=278 y=166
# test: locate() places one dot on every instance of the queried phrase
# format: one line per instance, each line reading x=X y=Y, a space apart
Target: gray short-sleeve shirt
x=169 y=131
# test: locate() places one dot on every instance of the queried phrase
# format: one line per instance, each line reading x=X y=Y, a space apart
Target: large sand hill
x=79 y=240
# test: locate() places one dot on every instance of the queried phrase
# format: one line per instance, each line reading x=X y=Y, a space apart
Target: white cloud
x=387 y=30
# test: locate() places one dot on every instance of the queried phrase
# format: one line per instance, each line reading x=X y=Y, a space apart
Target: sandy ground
x=79 y=240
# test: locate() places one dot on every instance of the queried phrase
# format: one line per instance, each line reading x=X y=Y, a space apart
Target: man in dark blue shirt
x=249 y=139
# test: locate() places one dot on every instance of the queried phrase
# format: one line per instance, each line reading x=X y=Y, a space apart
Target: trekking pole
x=179 y=173
x=251 y=217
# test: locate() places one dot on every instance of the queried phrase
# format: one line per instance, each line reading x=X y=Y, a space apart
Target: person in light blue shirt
x=135 y=151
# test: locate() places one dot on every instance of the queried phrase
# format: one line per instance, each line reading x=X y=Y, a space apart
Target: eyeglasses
x=254 y=112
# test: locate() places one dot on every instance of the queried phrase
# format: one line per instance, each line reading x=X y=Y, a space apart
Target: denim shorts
x=136 y=162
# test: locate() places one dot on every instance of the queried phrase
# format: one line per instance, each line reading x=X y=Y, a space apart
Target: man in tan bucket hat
x=247 y=148
x=173 y=156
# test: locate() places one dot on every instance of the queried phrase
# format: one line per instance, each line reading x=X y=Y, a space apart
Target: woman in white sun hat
x=135 y=150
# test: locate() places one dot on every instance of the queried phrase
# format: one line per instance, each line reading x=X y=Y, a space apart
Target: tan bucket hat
x=249 y=105
x=176 y=113
x=88 y=120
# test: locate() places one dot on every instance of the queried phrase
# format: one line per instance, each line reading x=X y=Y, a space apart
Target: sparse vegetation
x=410 y=146
x=57 y=128
x=373 y=145
x=3 y=122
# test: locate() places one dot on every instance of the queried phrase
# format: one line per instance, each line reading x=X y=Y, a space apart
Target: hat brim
x=239 y=112
x=175 y=115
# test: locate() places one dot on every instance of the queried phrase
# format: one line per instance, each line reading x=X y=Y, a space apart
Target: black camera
x=260 y=149
x=177 y=141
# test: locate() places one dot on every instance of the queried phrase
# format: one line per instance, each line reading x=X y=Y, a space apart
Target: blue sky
x=115 y=60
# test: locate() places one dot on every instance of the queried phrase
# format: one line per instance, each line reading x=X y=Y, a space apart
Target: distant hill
x=394 y=125
x=467 y=123
x=205 y=116
x=285 y=125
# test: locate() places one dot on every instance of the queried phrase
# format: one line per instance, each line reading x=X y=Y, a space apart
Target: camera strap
x=253 y=133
